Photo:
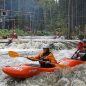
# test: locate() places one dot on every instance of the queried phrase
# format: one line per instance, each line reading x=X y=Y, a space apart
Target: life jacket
x=80 y=46
x=45 y=60
x=14 y=35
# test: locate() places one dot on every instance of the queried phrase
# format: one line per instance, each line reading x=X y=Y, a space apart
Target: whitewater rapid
x=28 y=46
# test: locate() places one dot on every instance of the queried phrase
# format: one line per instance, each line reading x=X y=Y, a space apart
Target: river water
x=32 y=45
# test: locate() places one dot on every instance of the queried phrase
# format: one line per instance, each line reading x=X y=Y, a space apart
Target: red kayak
x=29 y=70
x=71 y=62
x=26 y=70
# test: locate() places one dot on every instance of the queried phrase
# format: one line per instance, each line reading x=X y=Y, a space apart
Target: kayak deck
x=29 y=70
x=25 y=70
x=71 y=62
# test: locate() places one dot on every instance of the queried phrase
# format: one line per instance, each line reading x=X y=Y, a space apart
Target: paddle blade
x=13 y=54
x=62 y=66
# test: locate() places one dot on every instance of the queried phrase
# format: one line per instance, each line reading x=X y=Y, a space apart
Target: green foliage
x=64 y=17
x=6 y=32
x=53 y=16
x=21 y=32
x=81 y=36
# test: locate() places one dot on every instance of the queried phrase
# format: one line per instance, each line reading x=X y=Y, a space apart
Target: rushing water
x=31 y=46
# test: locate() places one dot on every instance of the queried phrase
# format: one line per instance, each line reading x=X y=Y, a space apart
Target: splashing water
x=28 y=46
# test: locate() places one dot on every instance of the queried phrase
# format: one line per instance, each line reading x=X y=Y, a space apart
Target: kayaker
x=80 y=45
x=46 y=58
x=82 y=53
x=14 y=35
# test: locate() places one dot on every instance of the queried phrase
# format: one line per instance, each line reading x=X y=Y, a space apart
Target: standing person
x=14 y=35
x=46 y=58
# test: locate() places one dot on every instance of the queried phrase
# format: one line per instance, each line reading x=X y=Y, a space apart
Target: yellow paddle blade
x=62 y=66
x=13 y=54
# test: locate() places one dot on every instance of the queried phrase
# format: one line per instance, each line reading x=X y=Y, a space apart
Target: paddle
x=9 y=42
x=74 y=53
x=80 y=47
x=14 y=54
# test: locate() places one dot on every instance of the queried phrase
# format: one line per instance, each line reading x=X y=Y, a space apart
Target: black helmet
x=84 y=40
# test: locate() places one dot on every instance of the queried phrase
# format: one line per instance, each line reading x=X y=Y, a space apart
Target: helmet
x=46 y=46
x=84 y=40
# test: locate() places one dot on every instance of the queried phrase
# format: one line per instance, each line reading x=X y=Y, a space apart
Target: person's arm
x=33 y=58
x=52 y=59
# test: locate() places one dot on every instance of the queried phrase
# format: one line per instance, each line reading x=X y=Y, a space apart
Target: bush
x=4 y=33
x=4 y=37
x=81 y=36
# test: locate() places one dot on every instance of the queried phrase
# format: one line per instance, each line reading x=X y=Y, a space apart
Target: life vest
x=14 y=35
x=80 y=46
x=46 y=60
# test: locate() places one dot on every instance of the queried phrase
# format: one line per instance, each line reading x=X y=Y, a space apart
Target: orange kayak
x=71 y=62
x=29 y=70
x=26 y=70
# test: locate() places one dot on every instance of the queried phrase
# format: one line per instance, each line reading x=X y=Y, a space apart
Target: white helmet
x=46 y=46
